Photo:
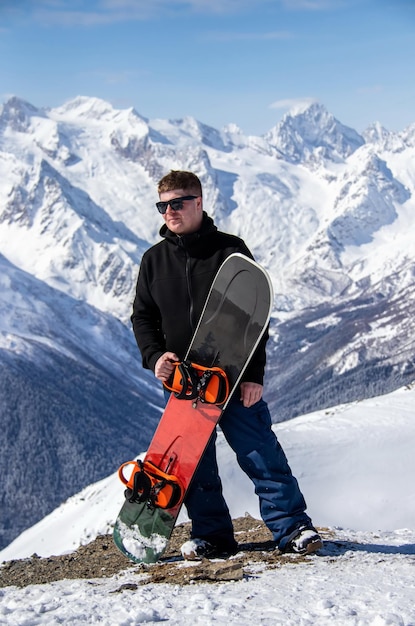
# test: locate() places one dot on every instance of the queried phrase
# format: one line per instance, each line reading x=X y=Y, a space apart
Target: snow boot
x=306 y=540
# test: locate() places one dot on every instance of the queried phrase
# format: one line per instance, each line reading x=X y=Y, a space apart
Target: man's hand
x=250 y=393
x=164 y=366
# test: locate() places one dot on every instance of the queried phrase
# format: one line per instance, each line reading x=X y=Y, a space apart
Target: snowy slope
x=342 y=458
x=356 y=467
x=69 y=385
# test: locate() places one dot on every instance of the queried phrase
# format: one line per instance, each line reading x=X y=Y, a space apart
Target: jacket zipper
x=189 y=290
x=188 y=282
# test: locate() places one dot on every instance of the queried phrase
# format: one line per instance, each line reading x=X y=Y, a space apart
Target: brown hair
x=177 y=179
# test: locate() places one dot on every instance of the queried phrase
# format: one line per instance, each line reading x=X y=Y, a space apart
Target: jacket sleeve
x=254 y=372
x=146 y=320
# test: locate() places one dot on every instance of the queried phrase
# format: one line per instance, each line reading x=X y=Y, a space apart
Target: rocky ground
x=100 y=559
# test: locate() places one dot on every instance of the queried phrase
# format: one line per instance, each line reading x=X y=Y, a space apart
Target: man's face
x=189 y=218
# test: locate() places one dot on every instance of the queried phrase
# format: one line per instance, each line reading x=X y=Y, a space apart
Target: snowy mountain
x=329 y=212
x=69 y=397
x=310 y=132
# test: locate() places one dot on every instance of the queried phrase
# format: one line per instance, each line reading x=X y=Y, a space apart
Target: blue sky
x=220 y=61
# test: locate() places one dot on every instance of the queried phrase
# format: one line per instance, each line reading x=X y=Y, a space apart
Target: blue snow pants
x=260 y=455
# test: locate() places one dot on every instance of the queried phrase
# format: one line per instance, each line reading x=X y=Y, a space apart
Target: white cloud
x=292 y=103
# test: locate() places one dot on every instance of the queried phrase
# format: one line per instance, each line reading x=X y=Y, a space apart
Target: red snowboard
x=235 y=316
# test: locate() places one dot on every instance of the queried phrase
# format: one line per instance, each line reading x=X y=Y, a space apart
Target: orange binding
x=191 y=381
x=150 y=484
x=184 y=381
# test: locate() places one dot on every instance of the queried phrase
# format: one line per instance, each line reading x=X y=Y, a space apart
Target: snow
x=355 y=465
x=373 y=586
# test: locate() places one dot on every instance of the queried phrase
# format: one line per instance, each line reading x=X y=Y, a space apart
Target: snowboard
x=234 y=318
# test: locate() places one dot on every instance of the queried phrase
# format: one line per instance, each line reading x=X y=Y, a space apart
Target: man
x=173 y=283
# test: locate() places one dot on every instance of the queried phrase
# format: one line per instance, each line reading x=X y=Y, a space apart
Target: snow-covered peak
x=23 y=127
x=233 y=136
x=311 y=131
x=408 y=135
x=99 y=112
x=87 y=108
x=232 y=129
x=189 y=130
x=17 y=114
x=367 y=201
x=376 y=133
x=382 y=139
x=70 y=240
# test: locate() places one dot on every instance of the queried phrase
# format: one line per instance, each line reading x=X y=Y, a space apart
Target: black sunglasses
x=176 y=204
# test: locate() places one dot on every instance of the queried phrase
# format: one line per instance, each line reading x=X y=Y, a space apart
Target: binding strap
x=190 y=381
x=213 y=385
x=150 y=484
x=184 y=381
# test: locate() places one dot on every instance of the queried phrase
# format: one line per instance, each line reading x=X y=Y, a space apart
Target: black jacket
x=173 y=283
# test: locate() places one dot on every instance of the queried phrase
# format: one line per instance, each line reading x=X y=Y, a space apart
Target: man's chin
x=175 y=228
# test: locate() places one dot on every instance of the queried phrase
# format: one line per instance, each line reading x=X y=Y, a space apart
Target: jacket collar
x=208 y=227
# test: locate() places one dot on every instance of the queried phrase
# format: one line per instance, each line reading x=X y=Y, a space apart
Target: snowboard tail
x=234 y=319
